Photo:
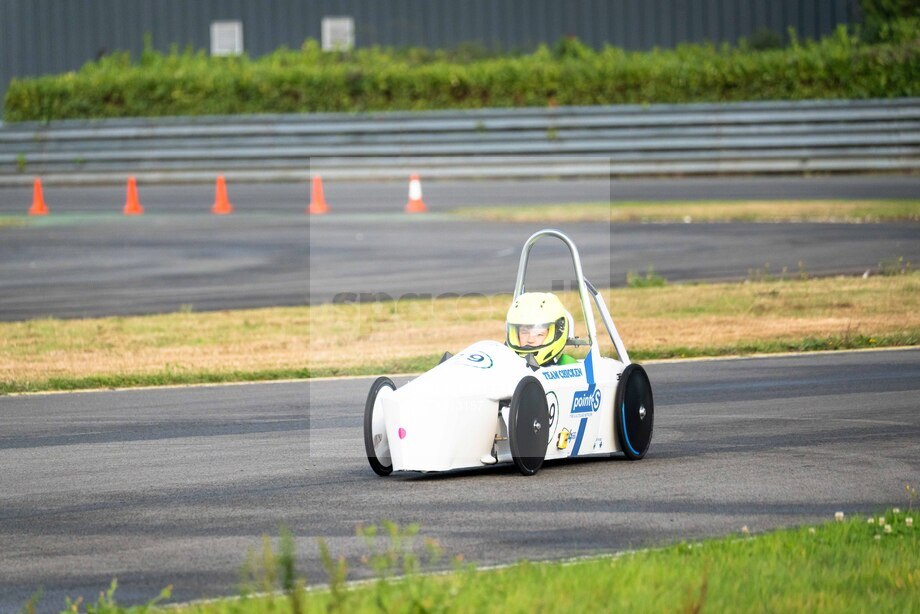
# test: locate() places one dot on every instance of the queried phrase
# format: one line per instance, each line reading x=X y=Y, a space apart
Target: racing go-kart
x=488 y=405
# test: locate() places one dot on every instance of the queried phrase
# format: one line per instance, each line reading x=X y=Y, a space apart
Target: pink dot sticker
x=402 y=433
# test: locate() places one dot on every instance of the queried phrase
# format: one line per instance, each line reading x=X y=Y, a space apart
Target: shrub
x=384 y=79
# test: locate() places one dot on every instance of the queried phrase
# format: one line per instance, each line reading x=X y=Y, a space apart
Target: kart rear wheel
x=634 y=412
x=375 y=434
x=528 y=425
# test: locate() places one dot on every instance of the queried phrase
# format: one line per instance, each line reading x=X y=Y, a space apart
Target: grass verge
x=847 y=211
x=11 y=221
x=775 y=314
x=850 y=565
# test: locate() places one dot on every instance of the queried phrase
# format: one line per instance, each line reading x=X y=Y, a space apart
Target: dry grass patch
x=650 y=320
x=850 y=211
x=284 y=342
x=260 y=339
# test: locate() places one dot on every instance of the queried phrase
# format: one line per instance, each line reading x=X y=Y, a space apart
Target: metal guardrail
x=749 y=138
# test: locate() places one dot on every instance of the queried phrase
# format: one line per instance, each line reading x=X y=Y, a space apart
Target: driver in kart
x=538 y=325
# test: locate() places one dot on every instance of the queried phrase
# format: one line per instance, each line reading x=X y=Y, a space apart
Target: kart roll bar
x=585 y=288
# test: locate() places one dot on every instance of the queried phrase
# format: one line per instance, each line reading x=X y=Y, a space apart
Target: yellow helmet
x=537 y=324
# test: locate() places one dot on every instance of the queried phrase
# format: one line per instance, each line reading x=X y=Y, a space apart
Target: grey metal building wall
x=50 y=36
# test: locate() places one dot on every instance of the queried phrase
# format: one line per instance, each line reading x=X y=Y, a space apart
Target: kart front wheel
x=375 y=433
x=528 y=425
x=634 y=412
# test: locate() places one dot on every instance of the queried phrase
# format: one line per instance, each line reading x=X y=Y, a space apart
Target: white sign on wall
x=338 y=33
x=226 y=37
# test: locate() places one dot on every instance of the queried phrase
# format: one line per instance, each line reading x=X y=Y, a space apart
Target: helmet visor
x=529 y=336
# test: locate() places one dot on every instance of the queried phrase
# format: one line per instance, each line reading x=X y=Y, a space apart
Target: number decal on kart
x=479 y=360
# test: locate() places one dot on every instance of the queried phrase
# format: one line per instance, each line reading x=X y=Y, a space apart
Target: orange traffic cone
x=38 y=200
x=222 y=204
x=415 y=204
x=318 y=204
x=132 y=204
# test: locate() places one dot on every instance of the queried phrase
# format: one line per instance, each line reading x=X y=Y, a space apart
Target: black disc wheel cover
x=528 y=425
x=634 y=412
x=378 y=467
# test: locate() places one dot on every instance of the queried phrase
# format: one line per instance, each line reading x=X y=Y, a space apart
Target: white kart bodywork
x=456 y=415
x=448 y=418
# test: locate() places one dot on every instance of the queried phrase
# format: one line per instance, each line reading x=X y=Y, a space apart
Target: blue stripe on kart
x=589 y=369
x=579 y=436
x=625 y=432
x=589 y=374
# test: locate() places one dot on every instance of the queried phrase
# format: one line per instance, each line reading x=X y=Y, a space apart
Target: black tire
x=634 y=412
x=528 y=425
x=380 y=468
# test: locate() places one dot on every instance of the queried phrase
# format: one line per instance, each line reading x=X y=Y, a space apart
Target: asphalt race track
x=171 y=486
x=86 y=259
x=436 y=257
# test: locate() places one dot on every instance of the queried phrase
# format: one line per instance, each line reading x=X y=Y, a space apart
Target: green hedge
x=880 y=15
x=305 y=80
